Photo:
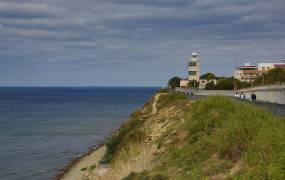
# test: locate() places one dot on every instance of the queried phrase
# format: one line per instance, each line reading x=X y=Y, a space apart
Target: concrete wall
x=272 y=94
x=207 y=92
x=213 y=93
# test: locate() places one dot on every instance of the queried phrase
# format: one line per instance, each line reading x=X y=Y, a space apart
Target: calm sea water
x=42 y=129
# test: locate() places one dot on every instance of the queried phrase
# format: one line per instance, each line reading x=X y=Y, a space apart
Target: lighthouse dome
x=194 y=54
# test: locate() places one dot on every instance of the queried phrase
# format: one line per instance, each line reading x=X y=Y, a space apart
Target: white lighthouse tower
x=194 y=68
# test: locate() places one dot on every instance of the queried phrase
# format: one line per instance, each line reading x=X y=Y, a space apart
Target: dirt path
x=76 y=173
x=154 y=105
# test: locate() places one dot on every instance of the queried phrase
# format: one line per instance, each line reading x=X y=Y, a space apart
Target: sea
x=43 y=128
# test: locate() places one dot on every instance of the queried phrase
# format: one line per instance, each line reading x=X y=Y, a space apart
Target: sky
x=133 y=42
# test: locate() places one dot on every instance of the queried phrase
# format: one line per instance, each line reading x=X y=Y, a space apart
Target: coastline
x=68 y=169
x=73 y=170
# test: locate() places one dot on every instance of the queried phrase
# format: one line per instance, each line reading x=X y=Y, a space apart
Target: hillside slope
x=212 y=138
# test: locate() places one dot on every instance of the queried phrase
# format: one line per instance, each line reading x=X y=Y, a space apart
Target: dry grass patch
x=135 y=158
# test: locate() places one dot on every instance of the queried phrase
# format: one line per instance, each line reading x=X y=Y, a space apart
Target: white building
x=249 y=73
x=265 y=67
x=246 y=73
x=184 y=83
x=194 y=68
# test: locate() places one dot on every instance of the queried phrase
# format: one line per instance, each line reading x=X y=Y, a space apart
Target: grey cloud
x=27 y=10
x=139 y=33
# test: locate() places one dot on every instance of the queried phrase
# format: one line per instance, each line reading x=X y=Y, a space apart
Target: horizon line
x=76 y=86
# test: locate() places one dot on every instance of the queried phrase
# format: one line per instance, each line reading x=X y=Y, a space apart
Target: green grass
x=235 y=132
x=209 y=138
x=163 y=90
x=168 y=99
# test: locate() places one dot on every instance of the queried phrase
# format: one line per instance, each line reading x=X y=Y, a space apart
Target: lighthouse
x=194 y=68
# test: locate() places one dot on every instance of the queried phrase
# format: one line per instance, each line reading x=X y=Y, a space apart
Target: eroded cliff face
x=139 y=143
x=215 y=138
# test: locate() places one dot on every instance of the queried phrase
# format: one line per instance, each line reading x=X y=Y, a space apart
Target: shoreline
x=70 y=168
x=62 y=172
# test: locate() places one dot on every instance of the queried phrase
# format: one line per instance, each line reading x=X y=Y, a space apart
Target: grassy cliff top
x=211 y=138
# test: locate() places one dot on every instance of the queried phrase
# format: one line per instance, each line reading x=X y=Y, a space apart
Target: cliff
x=212 y=138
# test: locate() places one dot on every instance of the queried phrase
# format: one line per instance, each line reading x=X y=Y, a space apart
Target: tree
x=273 y=76
x=193 y=84
x=174 y=82
x=210 y=86
x=276 y=76
x=241 y=85
x=226 y=83
x=208 y=76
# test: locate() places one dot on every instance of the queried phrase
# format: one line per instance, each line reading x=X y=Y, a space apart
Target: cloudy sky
x=133 y=42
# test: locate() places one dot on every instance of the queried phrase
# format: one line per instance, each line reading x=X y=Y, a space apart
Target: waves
x=42 y=129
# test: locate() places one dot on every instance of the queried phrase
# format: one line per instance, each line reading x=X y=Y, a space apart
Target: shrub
x=145 y=175
x=84 y=169
x=92 y=167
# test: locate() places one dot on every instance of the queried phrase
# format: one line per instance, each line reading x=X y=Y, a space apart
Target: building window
x=192 y=63
x=192 y=73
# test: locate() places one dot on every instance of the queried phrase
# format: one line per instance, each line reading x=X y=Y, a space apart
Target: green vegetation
x=84 y=169
x=208 y=76
x=170 y=99
x=223 y=83
x=92 y=167
x=241 y=85
x=89 y=168
x=272 y=77
x=145 y=175
x=193 y=84
x=224 y=135
x=212 y=138
x=128 y=132
x=163 y=90
x=226 y=83
x=174 y=82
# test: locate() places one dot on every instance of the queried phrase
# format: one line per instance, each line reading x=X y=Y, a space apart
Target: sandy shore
x=76 y=172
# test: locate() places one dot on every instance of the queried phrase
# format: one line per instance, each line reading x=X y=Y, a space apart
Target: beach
x=83 y=165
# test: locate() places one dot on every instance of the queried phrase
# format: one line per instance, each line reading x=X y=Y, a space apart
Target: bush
x=84 y=169
x=92 y=167
x=145 y=175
